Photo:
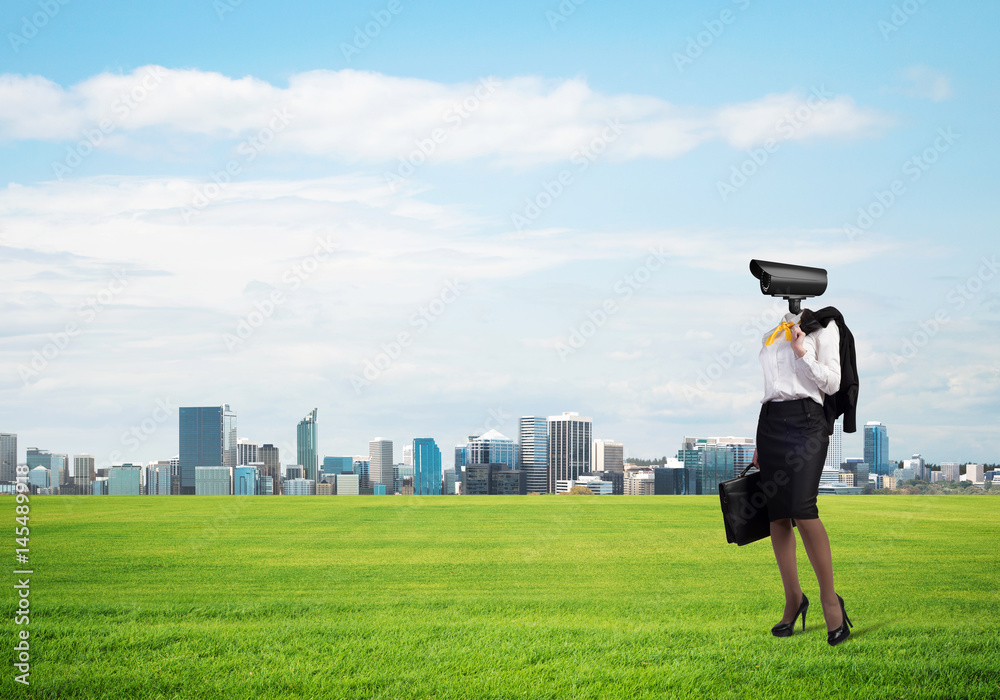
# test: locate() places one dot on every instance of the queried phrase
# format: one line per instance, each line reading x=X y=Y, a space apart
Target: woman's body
x=792 y=439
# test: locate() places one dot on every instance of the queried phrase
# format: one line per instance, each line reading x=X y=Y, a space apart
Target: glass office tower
x=307 y=456
x=207 y=439
x=426 y=467
x=534 y=452
x=877 y=447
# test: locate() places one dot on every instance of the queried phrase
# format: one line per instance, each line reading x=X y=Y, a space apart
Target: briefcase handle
x=747 y=468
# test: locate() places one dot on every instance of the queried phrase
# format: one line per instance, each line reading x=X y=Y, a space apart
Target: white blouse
x=788 y=376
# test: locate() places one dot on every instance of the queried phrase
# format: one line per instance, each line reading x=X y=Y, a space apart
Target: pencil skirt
x=791 y=451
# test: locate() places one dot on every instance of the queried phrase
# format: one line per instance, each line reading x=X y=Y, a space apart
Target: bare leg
x=783 y=543
x=817 y=545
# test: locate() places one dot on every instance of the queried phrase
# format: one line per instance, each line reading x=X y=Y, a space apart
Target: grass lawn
x=496 y=597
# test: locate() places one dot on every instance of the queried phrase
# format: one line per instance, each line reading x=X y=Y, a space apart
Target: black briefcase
x=744 y=508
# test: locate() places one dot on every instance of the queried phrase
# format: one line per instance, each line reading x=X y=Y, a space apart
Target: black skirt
x=791 y=451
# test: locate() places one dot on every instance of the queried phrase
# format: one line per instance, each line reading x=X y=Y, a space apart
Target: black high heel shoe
x=785 y=629
x=835 y=637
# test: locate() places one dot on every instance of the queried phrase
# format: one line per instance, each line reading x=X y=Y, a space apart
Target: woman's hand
x=798 y=341
x=754 y=460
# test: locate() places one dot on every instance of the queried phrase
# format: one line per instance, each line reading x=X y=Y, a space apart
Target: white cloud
x=359 y=116
x=927 y=83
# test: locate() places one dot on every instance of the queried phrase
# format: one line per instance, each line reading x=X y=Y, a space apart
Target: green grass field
x=497 y=597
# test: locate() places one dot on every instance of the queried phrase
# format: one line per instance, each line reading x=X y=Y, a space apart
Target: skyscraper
x=834 y=452
x=338 y=465
x=83 y=473
x=609 y=456
x=492 y=447
x=307 y=455
x=246 y=452
x=270 y=469
x=534 y=457
x=569 y=447
x=207 y=439
x=426 y=467
x=877 y=447
x=380 y=462
x=8 y=457
x=157 y=478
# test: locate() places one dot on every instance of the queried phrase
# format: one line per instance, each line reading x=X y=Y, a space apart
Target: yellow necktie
x=785 y=326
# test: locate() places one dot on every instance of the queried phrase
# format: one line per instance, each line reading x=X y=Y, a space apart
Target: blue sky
x=486 y=179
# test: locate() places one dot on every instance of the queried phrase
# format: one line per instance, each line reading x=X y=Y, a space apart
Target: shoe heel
x=803 y=620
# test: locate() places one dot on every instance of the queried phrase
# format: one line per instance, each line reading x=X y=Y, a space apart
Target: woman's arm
x=822 y=365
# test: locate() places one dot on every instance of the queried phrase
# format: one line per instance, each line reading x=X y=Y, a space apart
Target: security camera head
x=791 y=282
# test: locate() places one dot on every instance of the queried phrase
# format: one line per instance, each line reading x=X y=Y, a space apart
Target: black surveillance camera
x=791 y=282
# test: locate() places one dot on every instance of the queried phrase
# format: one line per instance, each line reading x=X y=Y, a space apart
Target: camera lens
x=765 y=282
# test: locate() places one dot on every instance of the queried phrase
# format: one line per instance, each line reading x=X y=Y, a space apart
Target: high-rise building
x=877 y=447
x=361 y=468
x=492 y=447
x=347 y=484
x=570 y=437
x=668 y=480
x=158 y=477
x=307 y=454
x=534 y=457
x=380 y=462
x=43 y=458
x=246 y=452
x=950 y=471
x=300 y=487
x=338 y=465
x=835 y=449
x=460 y=461
x=408 y=455
x=640 y=483
x=859 y=468
x=974 y=473
x=609 y=456
x=269 y=469
x=125 y=480
x=207 y=439
x=39 y=478
x=83 y=473
x=8 y=457
x=918 y=465
x=213 y=481
x=245 y=481
x=426 y=467
x=706 y=464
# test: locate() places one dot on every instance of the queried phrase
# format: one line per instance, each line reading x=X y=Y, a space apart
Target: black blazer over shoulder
x=845 y=400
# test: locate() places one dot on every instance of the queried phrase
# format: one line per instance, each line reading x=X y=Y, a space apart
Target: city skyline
x=874 y=448
x=478 y=210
